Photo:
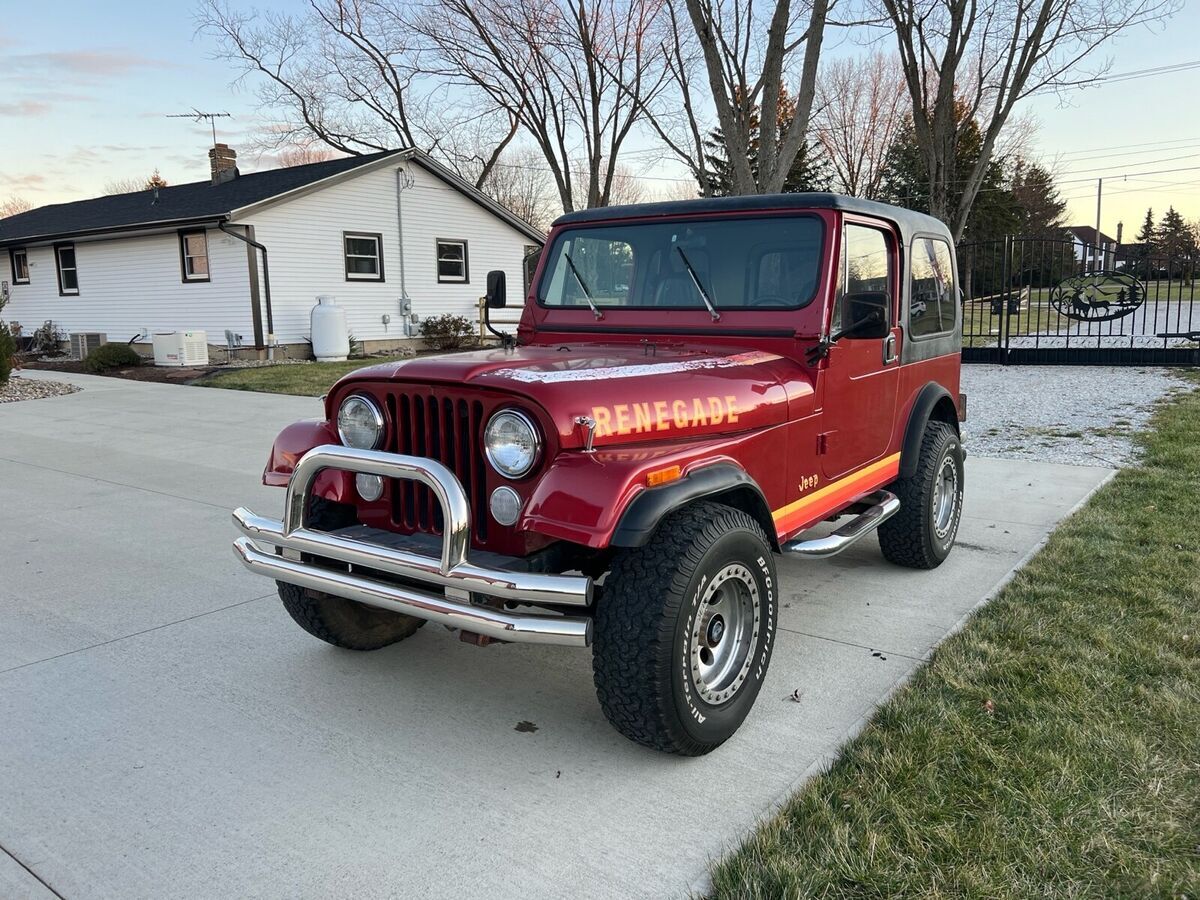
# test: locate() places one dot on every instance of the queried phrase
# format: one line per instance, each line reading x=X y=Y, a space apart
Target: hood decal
x=635 y=370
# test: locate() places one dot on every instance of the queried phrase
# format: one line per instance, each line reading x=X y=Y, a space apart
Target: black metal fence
x=1059 y=301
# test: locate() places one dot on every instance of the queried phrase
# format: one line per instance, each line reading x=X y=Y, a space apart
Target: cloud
x=32 y=180
x=92 y=63
x=24 y=108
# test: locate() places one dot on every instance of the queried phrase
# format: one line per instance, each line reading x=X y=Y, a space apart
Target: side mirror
x=864 y=315
x=497 y=295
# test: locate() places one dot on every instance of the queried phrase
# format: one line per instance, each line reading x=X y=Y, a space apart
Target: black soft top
x=906 y=220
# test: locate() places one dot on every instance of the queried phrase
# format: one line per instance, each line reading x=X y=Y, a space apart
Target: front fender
x=602 y=499
x=291 y=444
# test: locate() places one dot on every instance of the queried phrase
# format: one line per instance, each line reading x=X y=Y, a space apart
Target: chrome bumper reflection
x=447 y=582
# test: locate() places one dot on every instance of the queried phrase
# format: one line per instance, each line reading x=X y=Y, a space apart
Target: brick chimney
x=222 y=161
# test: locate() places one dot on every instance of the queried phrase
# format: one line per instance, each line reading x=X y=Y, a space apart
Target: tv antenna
x=196 y=116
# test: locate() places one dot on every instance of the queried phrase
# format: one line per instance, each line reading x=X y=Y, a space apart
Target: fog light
x=369 y=487
x=505 y=505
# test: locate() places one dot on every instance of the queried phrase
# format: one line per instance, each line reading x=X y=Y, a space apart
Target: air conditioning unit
x=181 y=348
x=84 y=342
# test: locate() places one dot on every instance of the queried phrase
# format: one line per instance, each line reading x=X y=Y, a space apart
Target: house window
x=20 y=265
x=452 y=261
x=68 y=274
x=193 y=255
x=364 y=256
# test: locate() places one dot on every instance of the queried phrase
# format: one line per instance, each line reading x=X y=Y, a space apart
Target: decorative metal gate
x=1060 y=302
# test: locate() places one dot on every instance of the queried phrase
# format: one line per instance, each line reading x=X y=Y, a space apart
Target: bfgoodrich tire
x=922 y=533
x=684 y=631
x=345 y=623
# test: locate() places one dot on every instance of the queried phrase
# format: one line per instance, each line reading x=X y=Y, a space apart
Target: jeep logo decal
x=1098 y=296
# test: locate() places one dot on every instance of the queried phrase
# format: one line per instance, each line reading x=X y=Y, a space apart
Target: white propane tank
x=330 y=336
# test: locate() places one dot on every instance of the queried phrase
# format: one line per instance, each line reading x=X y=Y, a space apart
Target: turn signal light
x=663 y=476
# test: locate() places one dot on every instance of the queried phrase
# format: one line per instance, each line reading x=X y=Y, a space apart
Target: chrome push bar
x=452 y=578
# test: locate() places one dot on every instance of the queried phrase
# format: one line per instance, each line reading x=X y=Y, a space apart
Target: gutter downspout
x=404 y=181
x=244 y=238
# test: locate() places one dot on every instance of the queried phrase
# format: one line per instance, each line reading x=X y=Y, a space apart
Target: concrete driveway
x=167 y=731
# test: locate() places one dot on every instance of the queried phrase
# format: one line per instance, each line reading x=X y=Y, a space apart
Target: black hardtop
x=907 y=221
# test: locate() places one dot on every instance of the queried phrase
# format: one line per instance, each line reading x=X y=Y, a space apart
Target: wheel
x=684 y=631
x=921 y=534
x=335 y=620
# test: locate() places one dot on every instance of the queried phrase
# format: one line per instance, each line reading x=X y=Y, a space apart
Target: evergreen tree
x=810 y=171
x=1176 y=242
x=1040 y=207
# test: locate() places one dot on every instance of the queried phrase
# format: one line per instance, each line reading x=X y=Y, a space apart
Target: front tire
x=345 y=623
x=921 y=534
x=684 y=632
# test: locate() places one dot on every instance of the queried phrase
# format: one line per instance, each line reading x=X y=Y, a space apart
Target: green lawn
x=1050 y=749
x=307 y=379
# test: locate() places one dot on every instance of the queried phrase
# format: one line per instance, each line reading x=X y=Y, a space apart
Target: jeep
x=694 y=389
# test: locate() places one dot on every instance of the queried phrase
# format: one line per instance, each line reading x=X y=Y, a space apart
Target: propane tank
x=330 y=336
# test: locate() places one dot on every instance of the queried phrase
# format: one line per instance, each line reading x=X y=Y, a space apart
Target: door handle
x=889 y=349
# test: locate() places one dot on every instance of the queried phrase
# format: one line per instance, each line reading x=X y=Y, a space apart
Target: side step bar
x=883 y=505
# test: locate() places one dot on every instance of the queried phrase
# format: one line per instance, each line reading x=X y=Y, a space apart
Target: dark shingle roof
x=199 y=201
x=1087 y=234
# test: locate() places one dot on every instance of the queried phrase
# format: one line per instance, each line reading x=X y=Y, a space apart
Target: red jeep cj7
x=693 y=386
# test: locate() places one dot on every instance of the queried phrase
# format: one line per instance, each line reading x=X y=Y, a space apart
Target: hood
x=635 y=393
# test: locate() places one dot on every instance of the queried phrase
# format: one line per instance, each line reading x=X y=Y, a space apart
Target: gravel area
x=1078 y=415
x=33 y=389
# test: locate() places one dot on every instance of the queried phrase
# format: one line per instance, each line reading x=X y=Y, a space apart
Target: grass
x=306 y=380
x=1051 y=748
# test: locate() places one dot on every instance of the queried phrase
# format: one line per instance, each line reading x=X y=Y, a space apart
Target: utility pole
x=1096 y=249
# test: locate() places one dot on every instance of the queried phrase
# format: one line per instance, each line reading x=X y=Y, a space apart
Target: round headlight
x=360 y=423
x=511 y=443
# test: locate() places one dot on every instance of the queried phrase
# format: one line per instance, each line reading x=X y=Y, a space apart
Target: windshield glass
x=763 y=263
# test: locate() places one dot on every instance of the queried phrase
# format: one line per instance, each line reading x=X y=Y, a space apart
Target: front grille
x=446 y=428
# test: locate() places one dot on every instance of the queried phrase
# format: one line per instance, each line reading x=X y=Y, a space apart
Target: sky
x=85 y=102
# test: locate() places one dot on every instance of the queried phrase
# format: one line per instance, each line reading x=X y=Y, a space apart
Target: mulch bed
x=164 y=374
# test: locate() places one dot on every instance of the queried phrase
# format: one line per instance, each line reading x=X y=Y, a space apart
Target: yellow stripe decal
x=864 y=474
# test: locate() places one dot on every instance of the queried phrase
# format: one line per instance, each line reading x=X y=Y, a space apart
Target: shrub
x=7 y=348
x=448 y=332
x=111 y=356
x=46 y=340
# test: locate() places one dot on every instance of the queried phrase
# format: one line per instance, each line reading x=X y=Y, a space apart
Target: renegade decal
x=835 y=495
x=533 y=375
x=662 y=415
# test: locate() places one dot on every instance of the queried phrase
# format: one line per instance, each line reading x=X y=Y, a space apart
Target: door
x=859 y=396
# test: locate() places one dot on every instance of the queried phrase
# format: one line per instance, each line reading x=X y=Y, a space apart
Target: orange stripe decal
x=821 y=503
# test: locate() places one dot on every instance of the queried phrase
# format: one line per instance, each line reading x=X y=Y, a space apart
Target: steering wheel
x=773 y=300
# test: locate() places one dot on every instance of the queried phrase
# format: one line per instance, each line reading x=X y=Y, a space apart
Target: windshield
x=724 y=264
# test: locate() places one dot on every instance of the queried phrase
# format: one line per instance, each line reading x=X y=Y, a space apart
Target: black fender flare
x=643 y=514
x=923 y=407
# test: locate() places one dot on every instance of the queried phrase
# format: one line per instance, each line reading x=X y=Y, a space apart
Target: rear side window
x=865 y=267
x=931 y=302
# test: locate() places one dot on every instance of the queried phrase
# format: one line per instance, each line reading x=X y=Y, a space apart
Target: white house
x=387 y=235
x=1093 y=249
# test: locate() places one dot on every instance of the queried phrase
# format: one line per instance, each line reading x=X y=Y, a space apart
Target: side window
x=865 y=266
x=932 y=304
x=68 y=274
x=20 y=265
x=452 y=262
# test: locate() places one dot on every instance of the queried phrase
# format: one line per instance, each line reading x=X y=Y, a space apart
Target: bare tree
x=860 y=108
x=303 y=155
x=133 y=185
x=573 y=75
x=757 y=62
x=13 y=206
x=345 y=73
x=521 y=183
x=986 y=57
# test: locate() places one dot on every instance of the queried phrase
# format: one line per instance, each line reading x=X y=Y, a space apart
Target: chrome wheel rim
x=945 y=497
x=724 y=634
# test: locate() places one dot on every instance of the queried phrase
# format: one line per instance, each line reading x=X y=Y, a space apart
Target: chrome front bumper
x=447 y=583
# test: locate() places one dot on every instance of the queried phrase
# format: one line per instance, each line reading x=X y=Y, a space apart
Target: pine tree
x=155 y=181
x=1176 y=242
x=1148 y=234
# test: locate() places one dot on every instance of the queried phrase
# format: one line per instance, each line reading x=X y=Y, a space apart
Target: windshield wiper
x=712 y=310
x=587 y=295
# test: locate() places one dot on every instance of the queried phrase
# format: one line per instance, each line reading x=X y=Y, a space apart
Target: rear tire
x=921 y=534
x=685 y=630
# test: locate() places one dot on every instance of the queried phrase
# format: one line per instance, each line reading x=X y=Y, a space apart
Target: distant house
x=1093 y=249
x=388 y=235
